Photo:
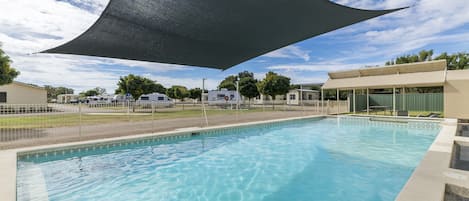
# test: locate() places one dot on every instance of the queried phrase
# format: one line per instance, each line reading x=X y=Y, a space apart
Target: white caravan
x=223 y=97
x=159 y=100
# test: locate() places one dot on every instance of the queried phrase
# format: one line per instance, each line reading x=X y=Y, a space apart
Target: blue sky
x=30 y=26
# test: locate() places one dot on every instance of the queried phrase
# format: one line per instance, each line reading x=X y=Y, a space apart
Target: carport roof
x=420 y=74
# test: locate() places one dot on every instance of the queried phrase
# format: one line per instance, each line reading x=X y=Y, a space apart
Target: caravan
x=160 y=100
x=223 y=97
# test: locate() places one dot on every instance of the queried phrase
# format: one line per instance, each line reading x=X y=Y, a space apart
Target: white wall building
x=302 y=97
x=67 y=98
x=22 y=93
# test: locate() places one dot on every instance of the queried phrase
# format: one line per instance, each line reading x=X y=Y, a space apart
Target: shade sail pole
x=203 y=104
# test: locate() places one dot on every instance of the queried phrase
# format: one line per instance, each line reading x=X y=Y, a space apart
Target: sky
x=30 y=26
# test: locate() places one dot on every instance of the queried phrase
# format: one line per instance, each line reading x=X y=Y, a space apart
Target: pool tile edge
x=430 y=177
x=8 y=175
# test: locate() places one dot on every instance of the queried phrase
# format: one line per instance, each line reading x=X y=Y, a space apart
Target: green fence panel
x=413 y=102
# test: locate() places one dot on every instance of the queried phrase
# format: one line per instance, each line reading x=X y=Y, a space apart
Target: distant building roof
x=28 y=85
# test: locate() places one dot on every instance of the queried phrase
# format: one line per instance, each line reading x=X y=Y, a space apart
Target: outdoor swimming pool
x=312 y=159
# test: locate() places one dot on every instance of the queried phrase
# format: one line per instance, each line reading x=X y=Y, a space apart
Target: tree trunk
x=273 y=102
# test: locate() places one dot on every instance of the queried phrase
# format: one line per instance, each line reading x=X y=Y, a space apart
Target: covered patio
x=392 y=88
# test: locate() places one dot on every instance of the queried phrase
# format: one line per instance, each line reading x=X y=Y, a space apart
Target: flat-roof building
x=455 y=95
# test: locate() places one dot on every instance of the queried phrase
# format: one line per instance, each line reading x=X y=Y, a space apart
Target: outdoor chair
x=403 y=113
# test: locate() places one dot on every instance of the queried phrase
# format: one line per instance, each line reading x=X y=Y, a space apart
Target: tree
x=177 y=92
x=53 y=92
x=273 y=85
x=424 y=55
x=245 y=74
x=248 y=88
x=195 y=94
x=457 y=61
x=7 y=73
x=228 y=83
x=91 y=92
x=136 y=86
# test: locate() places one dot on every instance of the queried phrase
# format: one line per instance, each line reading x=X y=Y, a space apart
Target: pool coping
x=430 y=177
x=8 y=158
x=411 y=191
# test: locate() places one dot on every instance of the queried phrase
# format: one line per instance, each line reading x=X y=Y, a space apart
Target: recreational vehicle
x=223 y=97
x=160 y=100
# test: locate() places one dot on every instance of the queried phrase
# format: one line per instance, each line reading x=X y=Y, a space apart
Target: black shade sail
x=208 y=33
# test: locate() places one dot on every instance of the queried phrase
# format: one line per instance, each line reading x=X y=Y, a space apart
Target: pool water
x=326 y=159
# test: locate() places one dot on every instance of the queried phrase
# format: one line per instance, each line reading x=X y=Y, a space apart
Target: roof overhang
x=209 y=33
x=428 y=66
x=422 y=74
x=420 y=79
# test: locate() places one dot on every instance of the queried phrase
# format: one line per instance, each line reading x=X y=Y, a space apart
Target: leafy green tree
x=53 y=92
x=177 y=92
x=7 y=73
x=457 y=61
x=137 y=86
x=245 y=74
x=248 y=88
x=424 y=55
x=91 y=92
x=228 y=83
x=195 y=94
x=273 y=85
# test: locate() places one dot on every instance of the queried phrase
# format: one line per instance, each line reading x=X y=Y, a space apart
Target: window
x=292 y=97
x=3 y=97
x=144 y=98
x=160 y=98
x=310 y=97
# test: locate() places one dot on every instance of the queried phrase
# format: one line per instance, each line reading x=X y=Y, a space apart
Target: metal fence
x=26 y=125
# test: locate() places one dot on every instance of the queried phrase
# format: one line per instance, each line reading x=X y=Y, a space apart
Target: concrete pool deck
x=426 y=183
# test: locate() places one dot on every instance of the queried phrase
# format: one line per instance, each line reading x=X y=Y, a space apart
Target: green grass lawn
x=61 y=120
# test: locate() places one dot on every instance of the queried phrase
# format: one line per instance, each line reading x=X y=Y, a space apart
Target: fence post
x=153 y=116
x=79 y=114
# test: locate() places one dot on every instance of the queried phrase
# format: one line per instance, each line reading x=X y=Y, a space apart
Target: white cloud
x=27 y=27
x=425 y=23
x=290 y=52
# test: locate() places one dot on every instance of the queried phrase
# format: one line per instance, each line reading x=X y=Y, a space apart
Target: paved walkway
x=32 y=137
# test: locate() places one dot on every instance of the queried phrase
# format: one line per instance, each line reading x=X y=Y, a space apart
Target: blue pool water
x=326 y=160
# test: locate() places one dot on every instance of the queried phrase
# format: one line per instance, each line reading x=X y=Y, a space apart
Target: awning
x=208 y=33
x=421 y=79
